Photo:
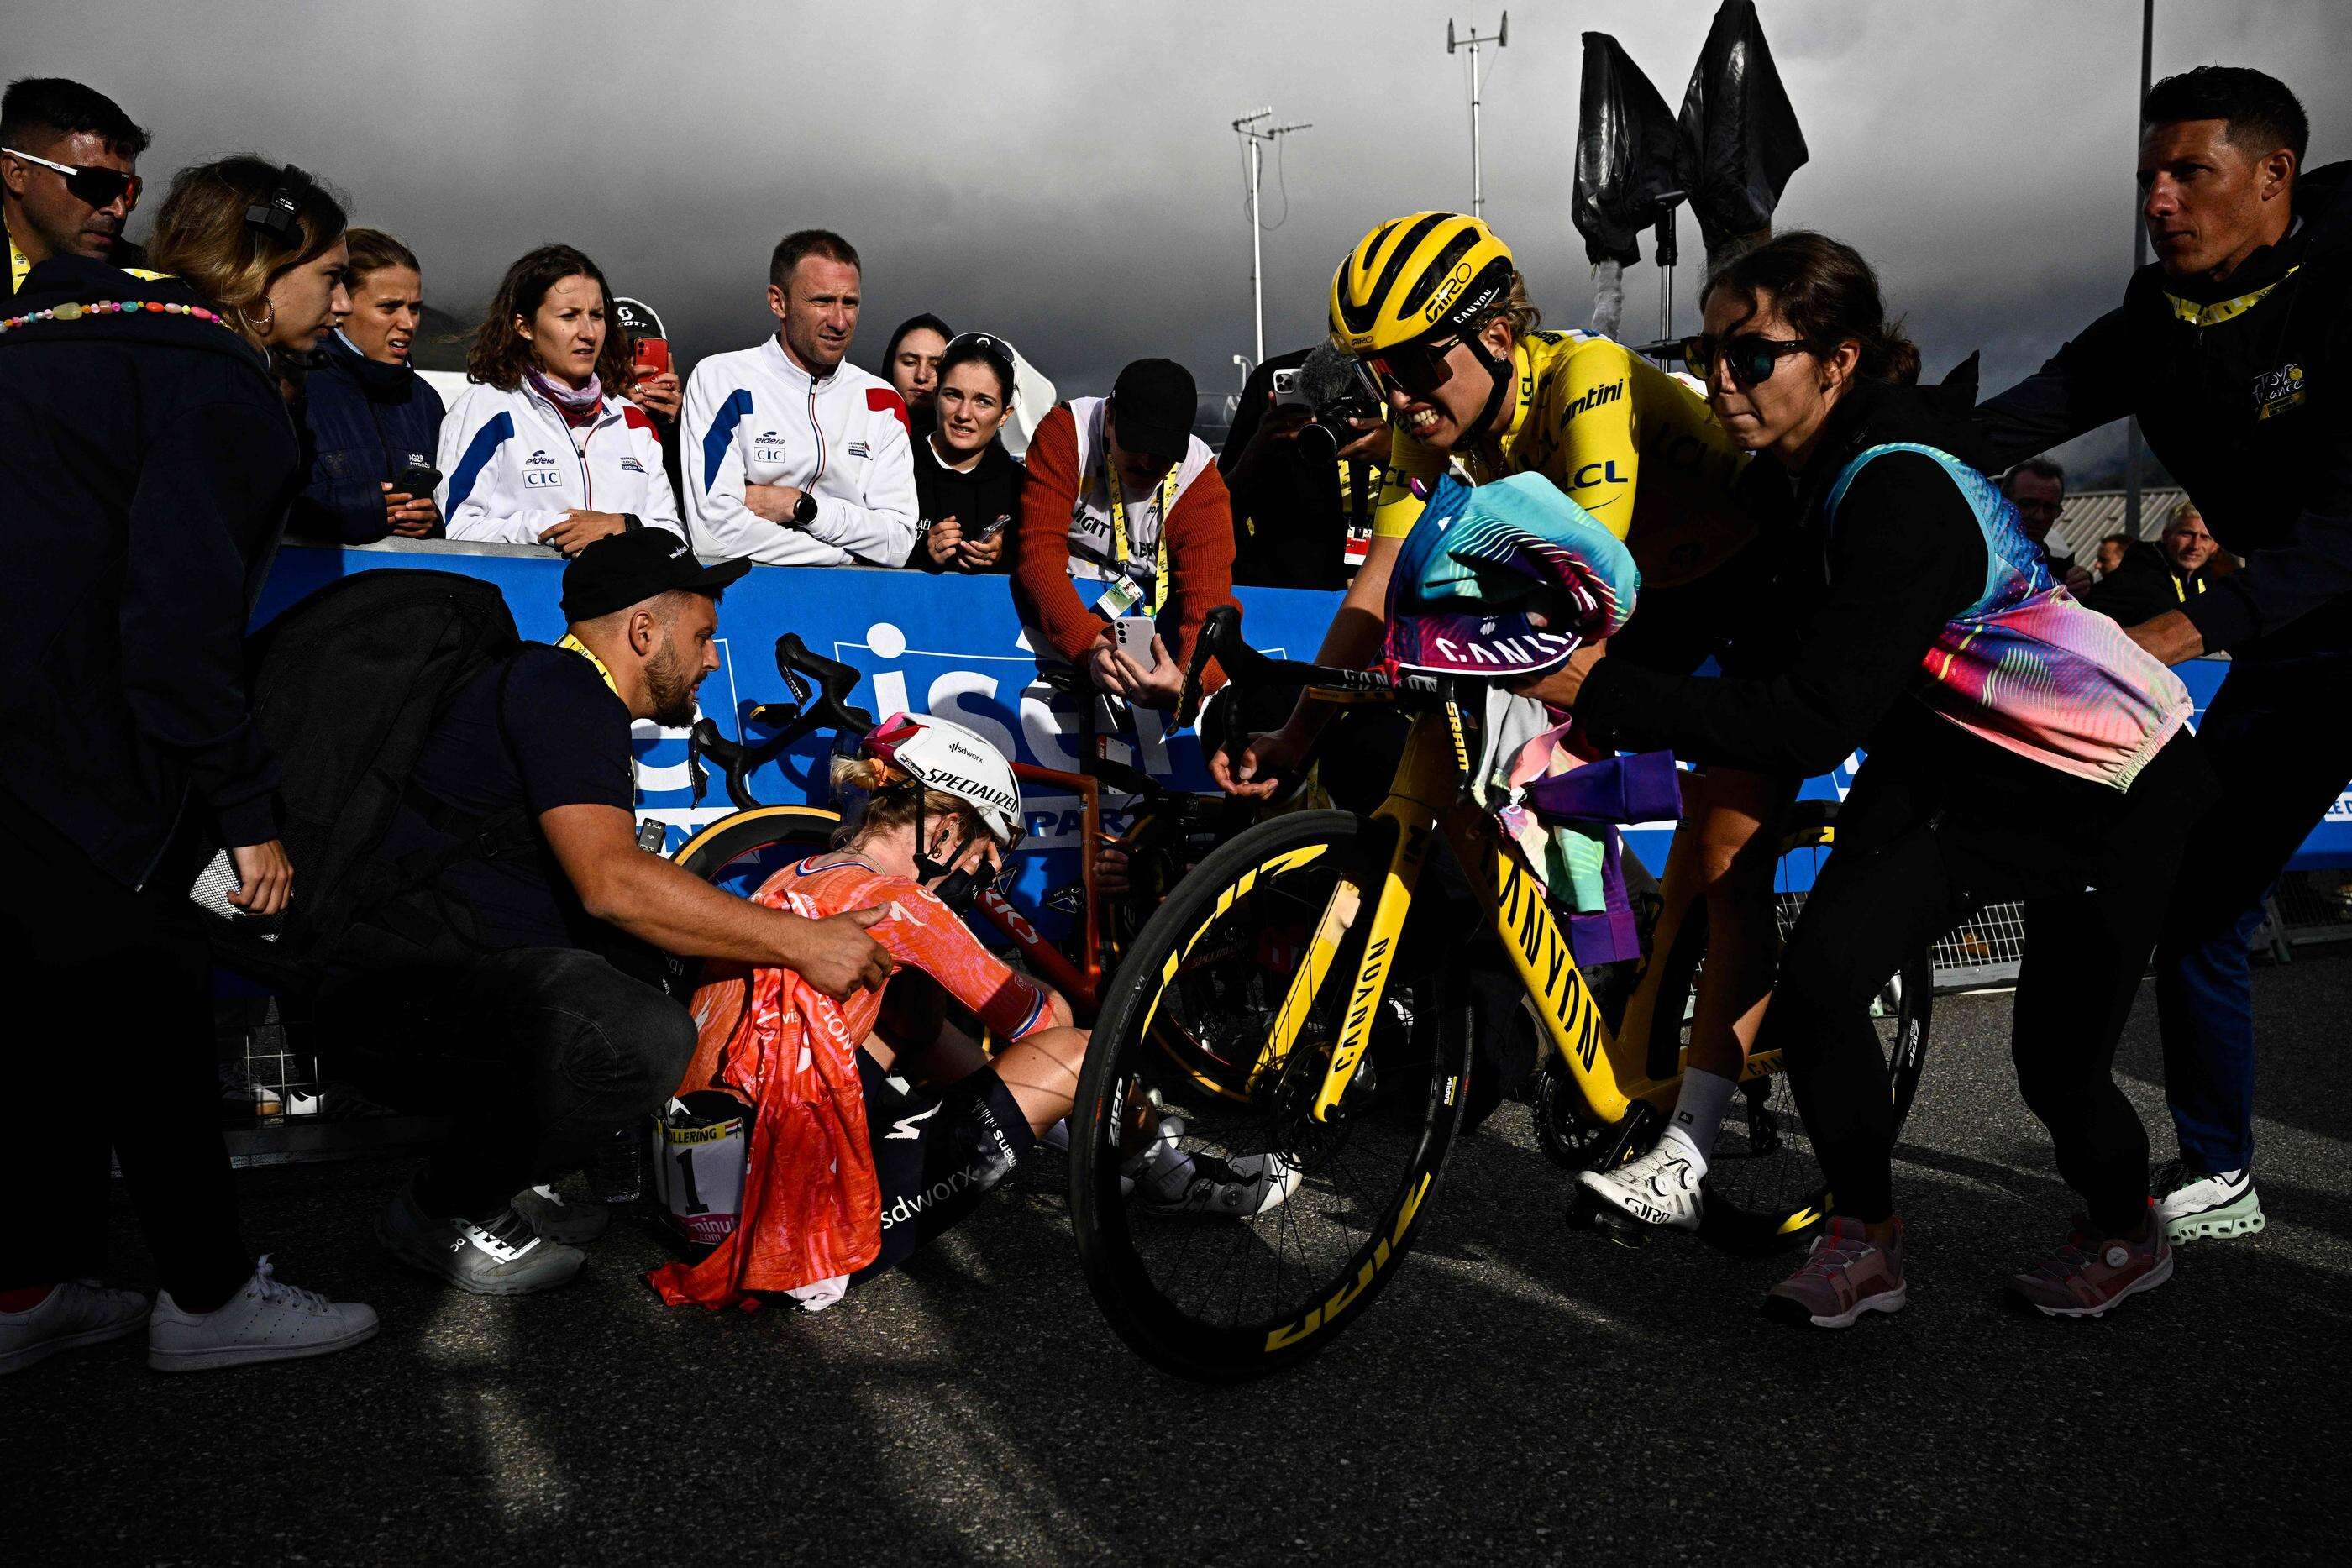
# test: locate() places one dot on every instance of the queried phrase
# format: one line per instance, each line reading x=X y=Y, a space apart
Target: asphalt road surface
x=1523 y=1393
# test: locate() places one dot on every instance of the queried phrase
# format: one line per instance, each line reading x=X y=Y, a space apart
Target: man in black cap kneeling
x=523 y=1025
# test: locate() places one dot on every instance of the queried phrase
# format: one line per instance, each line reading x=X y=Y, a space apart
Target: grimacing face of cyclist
x=1447 y=419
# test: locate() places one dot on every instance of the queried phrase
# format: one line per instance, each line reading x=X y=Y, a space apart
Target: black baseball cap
x=621 y=569
x=1153 y=401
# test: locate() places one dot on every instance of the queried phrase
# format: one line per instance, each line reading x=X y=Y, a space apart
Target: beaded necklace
x=116 y=306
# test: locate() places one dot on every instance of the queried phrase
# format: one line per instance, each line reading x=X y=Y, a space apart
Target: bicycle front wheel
x=1177 y=1092
x=737 y=854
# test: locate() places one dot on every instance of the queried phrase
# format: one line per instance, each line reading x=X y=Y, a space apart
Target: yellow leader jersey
x=1634 y=446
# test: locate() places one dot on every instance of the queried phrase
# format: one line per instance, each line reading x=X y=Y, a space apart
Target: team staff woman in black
x=146 y=464
x=1927 y=628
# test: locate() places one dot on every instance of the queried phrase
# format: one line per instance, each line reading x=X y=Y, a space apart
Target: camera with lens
x=1334 y=390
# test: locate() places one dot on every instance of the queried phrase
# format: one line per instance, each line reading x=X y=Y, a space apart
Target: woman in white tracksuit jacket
x=537 y=451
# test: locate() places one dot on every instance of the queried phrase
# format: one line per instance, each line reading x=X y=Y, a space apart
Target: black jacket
x=363 y=423
x=146 y=461
x=989 y=492
x=1291 y=508
x=2244 y=390
x=1862 y=606
x=2146 y=585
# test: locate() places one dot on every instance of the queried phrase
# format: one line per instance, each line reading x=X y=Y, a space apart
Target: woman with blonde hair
x=151 y=463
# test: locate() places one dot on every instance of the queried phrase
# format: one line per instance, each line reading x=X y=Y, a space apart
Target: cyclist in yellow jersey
x=1434 y=308
x=1624 y=440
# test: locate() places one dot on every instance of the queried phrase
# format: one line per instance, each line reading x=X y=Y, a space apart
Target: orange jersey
x=812 y=1208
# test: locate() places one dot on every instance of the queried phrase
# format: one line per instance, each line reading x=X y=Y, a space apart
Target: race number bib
x=699 y=1166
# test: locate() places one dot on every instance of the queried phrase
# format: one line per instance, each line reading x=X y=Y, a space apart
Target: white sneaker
x=2191 y=1204
x=1659 y=1189
x=77 y=1312
x=267 y=1320
x=559 y=1219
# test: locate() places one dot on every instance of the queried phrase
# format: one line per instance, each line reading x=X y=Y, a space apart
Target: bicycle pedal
x=1586 y=1212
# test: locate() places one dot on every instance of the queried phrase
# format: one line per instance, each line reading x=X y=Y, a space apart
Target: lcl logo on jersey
x=2279 y=390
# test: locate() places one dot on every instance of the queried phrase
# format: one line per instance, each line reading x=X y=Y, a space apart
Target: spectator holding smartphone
x=151 y=465
x=1121 y=487
x=966 y=486
x=540 y=452
x=372 y=424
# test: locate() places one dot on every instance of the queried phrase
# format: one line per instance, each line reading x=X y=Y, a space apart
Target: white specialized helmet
x=953 y=761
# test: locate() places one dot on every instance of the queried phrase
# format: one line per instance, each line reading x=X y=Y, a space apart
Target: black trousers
x=1918 y=851
x=111 y=1045
x=540 y=1053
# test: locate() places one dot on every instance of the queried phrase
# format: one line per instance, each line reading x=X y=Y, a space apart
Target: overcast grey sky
x=1063 y=171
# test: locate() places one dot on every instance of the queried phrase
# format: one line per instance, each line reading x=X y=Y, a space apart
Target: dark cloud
x=1061 y=172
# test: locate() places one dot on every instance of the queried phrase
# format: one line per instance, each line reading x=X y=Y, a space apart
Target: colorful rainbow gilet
x=2028 y=666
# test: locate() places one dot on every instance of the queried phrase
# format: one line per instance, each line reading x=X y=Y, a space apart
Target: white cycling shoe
x=1168 y=1181
x=1660 y=1188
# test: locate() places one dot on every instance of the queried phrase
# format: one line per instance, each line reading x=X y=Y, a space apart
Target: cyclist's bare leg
x=1722 y=854
x=1042 y=1070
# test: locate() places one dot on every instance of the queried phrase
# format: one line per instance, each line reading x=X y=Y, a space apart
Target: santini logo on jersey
x=1594 y=397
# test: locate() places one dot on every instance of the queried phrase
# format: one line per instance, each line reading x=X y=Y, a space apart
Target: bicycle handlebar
x=1221 y=638
x=820 y=688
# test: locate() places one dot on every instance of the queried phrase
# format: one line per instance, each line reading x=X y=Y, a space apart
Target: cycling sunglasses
x=1416 y=369
x=98 y=188
x=1750 y=357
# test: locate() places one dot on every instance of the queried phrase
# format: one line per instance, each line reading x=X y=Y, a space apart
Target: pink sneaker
x=1846 y=1275
x=2091 y=1273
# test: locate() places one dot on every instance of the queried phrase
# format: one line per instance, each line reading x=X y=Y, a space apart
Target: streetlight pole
x=2139 y=259
x=1499 y=38
x=1256 y=137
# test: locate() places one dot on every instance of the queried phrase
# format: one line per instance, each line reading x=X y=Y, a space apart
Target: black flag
x=1628 y=154
x=1741 y=128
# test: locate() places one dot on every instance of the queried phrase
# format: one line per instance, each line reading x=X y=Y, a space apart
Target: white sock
x=1699 y=1110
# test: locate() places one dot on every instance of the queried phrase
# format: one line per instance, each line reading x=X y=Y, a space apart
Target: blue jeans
x=2278 y=739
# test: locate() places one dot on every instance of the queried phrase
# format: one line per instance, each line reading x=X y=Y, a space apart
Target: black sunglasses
x=1750 y=357
x=1416 y=369
x=91 y=187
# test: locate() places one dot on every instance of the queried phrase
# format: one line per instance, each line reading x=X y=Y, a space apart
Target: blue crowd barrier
x=950 y=645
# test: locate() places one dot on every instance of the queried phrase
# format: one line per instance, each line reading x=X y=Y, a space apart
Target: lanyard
x=19 y=264
x=577 y=646
x=2180 y=586
x=1119 y=525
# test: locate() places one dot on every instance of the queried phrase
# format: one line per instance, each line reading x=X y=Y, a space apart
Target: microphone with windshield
x=1335 y=388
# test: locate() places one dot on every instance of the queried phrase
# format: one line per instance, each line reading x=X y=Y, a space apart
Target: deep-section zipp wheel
x=739 y=853
x=1176 y=1057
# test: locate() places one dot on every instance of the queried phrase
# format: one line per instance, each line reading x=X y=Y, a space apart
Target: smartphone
x=649 y=357
x=1135 y=633
x=419 y=480
x=992 y=530
x=1288 y=392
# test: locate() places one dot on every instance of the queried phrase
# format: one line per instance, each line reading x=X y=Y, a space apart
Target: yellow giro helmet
x=1422 y=276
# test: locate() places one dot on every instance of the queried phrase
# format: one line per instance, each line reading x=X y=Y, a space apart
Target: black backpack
x=345 y=686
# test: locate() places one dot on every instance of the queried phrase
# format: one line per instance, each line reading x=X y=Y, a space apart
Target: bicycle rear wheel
x=1179 y=1037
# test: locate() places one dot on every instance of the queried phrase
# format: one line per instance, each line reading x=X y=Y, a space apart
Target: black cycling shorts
x=936 y=1152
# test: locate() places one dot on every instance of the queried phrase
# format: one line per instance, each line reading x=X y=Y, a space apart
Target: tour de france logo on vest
x=2277 y=391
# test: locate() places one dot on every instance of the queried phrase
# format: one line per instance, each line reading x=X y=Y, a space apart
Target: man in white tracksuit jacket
x=791 y=455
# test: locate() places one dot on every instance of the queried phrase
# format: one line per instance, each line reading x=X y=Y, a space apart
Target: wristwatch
x=804 y=510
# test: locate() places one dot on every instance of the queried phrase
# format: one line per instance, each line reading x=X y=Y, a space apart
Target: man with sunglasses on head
x=68 y=175
x=1433 y=307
